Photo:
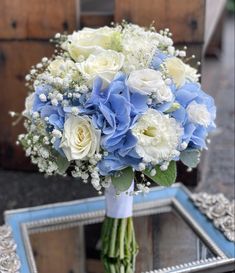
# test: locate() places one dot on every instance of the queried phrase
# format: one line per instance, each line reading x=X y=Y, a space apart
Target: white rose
x=104 y=64
x=148 y=81
x=29 y=101
x=199 y=114
x=158 y=137
x=175 y=68
x=89 y=40
x=61 y=68
x=80 y=139
x=191 y=73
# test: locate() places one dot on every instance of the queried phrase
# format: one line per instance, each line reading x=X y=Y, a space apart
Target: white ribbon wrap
x=119 y=206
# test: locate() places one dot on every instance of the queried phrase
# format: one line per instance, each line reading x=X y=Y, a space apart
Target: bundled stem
x=119 y=247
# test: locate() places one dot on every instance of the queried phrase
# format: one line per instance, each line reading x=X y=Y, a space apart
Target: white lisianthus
x=175 y=68
x=29 y=101
x=80 y=139
x=149 y=82
x=199 y=114
x=158 y=137
x=104 y=64
x=89 y=41
x=61 y=68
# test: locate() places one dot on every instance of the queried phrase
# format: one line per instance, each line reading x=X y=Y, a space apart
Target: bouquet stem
x=119 y=247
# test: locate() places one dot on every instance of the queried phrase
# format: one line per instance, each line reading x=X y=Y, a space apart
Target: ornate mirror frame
x=89 y=211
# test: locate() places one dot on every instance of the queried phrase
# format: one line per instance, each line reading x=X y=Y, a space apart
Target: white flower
x=61 y=68
x=80 y=139
x=42 y=97
x=158 y=137
x=176 y=69
x=104 y=64
x=89 y=41
x=148 y=81
x=29 y=101
x=138 y=46
x=199 y=114
x=191 y=73
x=180 y=72
x=56 y=133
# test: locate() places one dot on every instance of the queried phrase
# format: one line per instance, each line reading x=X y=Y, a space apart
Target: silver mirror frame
x=9 y=260
x=140 y=209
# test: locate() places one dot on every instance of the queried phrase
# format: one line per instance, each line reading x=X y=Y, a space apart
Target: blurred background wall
x=25 y=30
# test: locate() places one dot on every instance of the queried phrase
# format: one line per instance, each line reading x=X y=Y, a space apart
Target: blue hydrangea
x=41 y=89
x=157 y=60
x=114 y=111
x=194 y=134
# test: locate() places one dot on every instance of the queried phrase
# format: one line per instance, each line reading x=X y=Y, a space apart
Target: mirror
x=165 y=239
x=173 y=236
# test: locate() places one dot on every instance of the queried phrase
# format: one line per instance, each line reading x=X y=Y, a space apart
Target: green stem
x=122 y=236
x=119 y=248
x=113 y=238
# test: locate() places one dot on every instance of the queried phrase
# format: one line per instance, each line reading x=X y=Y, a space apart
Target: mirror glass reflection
x=164 y=239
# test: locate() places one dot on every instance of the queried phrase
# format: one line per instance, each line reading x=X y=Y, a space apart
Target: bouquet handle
x=119 y=247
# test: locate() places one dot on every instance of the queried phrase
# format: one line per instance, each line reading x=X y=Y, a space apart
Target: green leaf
x=164 y=178
x=62 y=164
x=190 y=157
x=123 y=182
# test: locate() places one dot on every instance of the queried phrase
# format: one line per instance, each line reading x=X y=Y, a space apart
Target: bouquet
x=116 y=107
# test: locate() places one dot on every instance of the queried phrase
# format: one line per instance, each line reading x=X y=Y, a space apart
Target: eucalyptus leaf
x=123 y=182
x=62 y=164
x=164 y=178
x=190 y=157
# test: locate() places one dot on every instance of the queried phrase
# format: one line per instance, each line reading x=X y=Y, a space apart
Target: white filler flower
x=104 y=64
x=199 y=114
x=149 y=82
x=29 y=101
x=158 y=137
x=80 y=139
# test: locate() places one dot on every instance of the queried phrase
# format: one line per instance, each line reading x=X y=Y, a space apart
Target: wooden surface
x=185 y=18
x=23 y=19
x=144 y=236
x=16 y=58
x=25 y=29
x=95 y=19
x=60 y=251
x=174 y=242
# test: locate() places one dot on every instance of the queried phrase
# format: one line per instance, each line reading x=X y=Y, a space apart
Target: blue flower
x=115 y=110
x=194 y=133
x=115 y=162
x=157 y=60
x=41 y=89
x=55 y=115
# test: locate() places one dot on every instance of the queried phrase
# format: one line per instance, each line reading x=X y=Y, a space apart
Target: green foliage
x=164 y=178
x=62 y=164
x=190 y=157
x=123 y=182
